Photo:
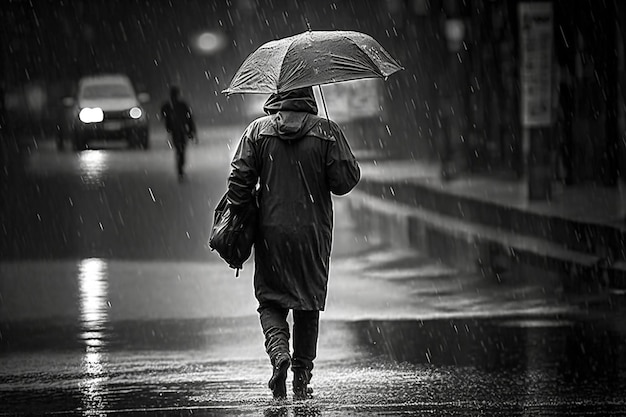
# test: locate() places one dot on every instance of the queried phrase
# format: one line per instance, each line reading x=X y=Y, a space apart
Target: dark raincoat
x=299 y=159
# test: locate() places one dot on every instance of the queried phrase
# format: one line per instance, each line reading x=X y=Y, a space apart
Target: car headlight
x=91 y=115
x=135 y=112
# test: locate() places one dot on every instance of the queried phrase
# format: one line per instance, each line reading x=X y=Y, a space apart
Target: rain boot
x=301 y=379
x=276 y=331
x=277 y=382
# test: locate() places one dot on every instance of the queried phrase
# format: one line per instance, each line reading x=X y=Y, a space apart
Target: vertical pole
x=455 y=113
x=611 y=80
x=536 y=39
x=3 y=77
x=539 y=172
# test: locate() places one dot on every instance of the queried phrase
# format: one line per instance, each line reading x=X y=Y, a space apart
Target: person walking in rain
x=298 y=159
x=179 y=123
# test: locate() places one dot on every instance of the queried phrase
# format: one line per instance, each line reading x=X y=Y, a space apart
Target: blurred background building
x=458 y=101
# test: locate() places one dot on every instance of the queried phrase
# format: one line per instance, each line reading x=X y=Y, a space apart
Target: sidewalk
x=476 y=221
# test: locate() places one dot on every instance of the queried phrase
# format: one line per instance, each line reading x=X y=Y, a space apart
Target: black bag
x=232 y=235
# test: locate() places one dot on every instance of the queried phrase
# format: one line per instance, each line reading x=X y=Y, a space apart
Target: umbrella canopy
x=312 y=58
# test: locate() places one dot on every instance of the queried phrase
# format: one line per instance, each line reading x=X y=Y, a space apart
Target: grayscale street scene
x=477 y=267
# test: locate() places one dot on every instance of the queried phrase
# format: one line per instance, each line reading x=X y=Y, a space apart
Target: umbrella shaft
x=325 y=109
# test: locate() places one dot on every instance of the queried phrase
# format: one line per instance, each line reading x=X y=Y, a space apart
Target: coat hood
x=300 y=100
x=291 y=111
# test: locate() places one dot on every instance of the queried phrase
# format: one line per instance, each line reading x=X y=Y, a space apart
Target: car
x=106 y=107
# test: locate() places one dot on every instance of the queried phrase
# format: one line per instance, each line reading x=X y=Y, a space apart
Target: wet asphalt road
x=111 y=304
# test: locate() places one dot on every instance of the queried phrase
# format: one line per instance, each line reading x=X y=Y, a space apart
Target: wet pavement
x=111 y=304
x=210 y=366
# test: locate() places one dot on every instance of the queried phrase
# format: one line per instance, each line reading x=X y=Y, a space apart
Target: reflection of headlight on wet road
x=92 y=165
x=91 y=115
x=92 y=280
x=94 y=317
x=92 y=386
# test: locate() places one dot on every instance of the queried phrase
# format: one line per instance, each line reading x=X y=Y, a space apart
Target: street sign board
x=536 y=43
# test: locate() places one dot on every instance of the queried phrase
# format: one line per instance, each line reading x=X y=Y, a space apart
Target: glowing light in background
x=94 y=317
x=209 y=42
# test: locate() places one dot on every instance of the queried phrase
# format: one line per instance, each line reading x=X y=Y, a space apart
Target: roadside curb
x=474 y=234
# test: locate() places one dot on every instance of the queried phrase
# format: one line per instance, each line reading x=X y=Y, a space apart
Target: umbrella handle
x=325 y=109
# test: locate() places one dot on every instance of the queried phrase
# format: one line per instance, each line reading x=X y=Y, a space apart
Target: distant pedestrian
x=299 y=159
x=180 y=124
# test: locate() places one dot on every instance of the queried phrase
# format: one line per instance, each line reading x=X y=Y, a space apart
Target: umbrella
x=312 y=58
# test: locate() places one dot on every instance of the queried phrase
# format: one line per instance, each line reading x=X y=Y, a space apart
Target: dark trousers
x=276 y=331
x=180 y=143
